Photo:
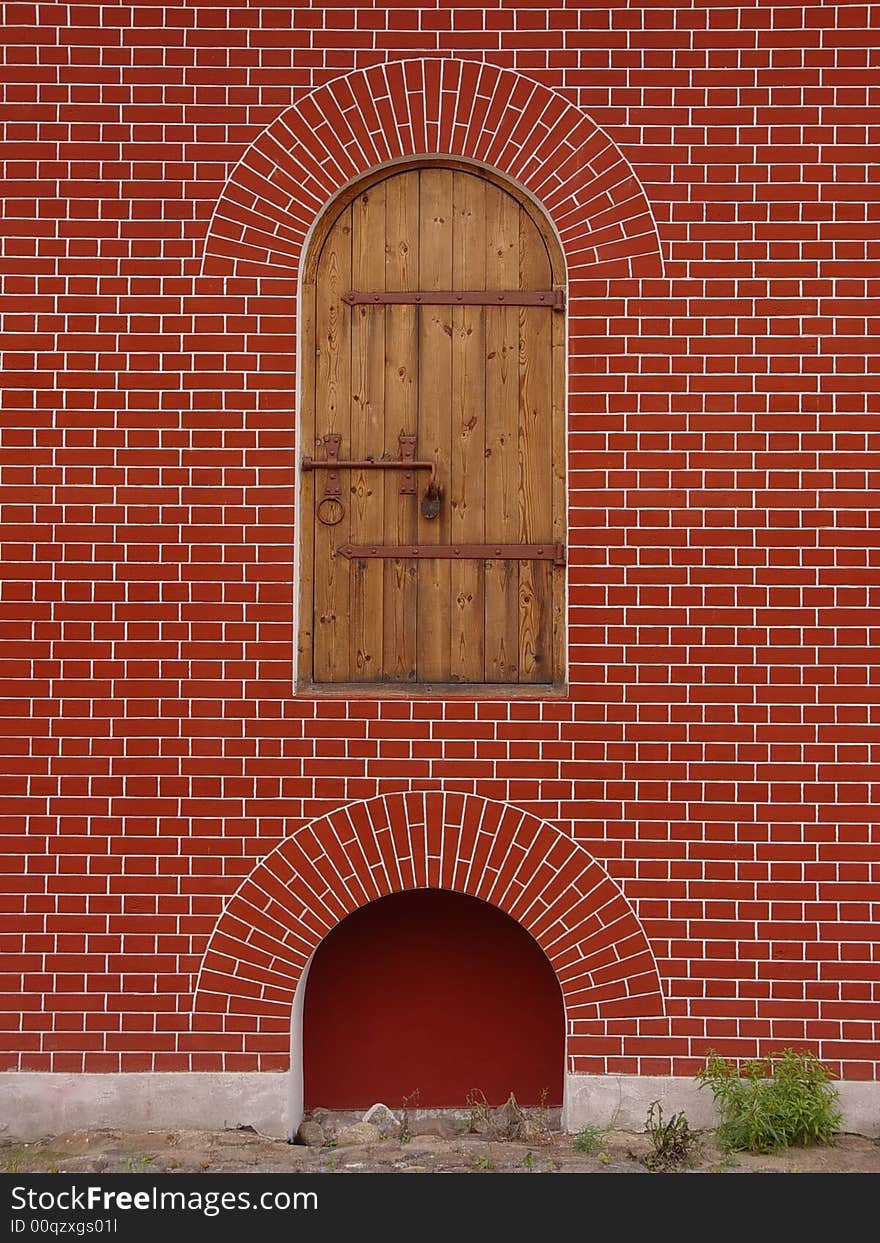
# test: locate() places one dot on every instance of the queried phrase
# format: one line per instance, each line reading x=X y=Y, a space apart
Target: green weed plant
x=783 y=1100
x=674 y=1144
x=588 y=1138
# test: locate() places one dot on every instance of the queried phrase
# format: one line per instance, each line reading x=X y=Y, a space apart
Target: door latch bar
x=330 y=509
x=407 y=463
x=554 y=553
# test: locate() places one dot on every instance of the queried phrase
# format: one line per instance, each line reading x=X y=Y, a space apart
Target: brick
x=713 y=758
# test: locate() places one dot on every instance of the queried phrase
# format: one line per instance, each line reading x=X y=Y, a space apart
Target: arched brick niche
x=433 y=107
x=332 y=866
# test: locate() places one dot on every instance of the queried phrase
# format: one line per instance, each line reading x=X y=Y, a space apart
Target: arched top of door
x=429 y=108
x=376 y=176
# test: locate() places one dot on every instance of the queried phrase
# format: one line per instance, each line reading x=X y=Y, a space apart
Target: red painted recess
x=432 y=991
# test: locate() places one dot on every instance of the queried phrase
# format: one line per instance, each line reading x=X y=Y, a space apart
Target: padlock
x=431 y=499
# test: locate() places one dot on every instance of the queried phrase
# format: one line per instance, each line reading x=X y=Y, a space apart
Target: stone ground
x=238 y=1151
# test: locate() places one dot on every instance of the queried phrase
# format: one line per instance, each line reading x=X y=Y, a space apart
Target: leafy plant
x=779 y=1101
x=588 y=1139
x=674 y=1142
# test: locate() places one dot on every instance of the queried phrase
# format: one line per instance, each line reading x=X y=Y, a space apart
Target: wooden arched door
x=433 y=362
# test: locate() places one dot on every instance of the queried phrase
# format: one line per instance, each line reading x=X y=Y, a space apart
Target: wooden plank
x=332 y=414
x=367 y=495
x=535 y=443
x=305 y=509
x=435 y=409
x=466 y=491
x=501 y=608
x=560 y=494
x=401 y=255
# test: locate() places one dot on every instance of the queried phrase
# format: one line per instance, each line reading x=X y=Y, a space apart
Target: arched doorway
x=432 y=539
x=434 y=992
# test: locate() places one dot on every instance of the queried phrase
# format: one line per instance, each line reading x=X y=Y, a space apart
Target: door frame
x=304 y=481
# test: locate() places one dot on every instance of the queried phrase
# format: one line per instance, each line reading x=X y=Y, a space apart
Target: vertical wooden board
x=502 y=412
x=535 y=446
x=305 y=509
x=401 y=257
x=367 y=487
x=466 y=492
x=560 y=494
x=435 y=409
x=332 y=414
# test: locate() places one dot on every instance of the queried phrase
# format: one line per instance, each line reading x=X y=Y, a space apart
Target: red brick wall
x=714 y=755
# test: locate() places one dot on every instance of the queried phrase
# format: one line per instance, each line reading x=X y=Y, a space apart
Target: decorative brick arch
x=433 y=107
x=332 y=866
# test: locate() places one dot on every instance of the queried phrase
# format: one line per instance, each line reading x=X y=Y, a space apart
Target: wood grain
x=332 y=601
x=466 y=493
x=401 y=257
x=367 y=487
x=305 y=511
x=560 y=492
x=502 y=414
x=534 y=453
x=435 y=413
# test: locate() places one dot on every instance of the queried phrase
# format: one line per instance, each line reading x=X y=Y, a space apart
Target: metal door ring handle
x=330 y=500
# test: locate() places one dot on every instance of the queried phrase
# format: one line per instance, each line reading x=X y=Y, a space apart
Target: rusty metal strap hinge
x=553 y=298
x=554 y=553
